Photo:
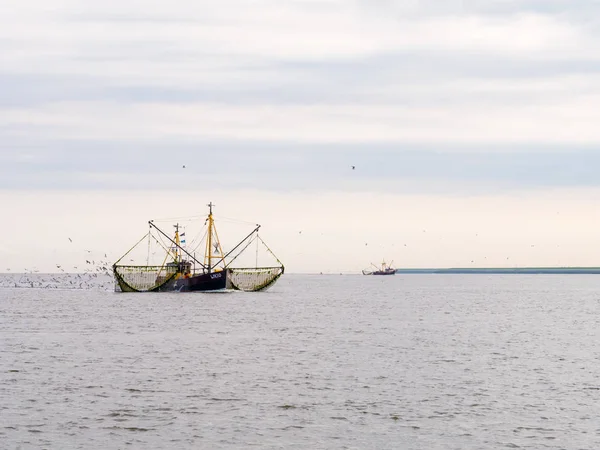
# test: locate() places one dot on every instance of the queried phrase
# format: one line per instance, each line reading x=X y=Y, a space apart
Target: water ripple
x=411 y=362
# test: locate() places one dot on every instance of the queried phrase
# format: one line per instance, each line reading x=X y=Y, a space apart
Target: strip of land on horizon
x=507 y=270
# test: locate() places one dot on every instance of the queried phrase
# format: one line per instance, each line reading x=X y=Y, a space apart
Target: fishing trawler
x=384 y=269
x=178 y=269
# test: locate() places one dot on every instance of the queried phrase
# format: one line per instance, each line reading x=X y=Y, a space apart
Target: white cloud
x=115 y=94
x=559 y=120
x=151 y=40
x=452 y=76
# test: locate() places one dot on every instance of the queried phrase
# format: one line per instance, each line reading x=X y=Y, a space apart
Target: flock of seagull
x=57 y=281
x=95 y=275
x=92 y=273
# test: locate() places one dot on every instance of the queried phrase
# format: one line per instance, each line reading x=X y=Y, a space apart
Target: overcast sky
x=449 y=111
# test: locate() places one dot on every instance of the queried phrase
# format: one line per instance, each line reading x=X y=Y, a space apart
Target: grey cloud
x=497 y=7
x=33 y=89
x=95 y=165
x=304 y=82
x=129 y=19
x=383 y=78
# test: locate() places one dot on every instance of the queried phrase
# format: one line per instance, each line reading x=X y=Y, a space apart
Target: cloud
x=475 y=121
x=393 y=168
x=560 y=120
x=286 y=95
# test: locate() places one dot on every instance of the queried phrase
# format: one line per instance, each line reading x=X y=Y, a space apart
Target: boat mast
x=209 y=240
x=178 y=255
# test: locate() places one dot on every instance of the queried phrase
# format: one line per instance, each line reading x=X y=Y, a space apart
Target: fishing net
x=143 y=278
x=253 y=279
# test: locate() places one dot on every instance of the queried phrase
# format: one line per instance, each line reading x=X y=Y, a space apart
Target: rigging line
x=162 y=267
x=170 y=219
x=199 y=216
x=178 y=246
x=199 y=243
x=270 y=251
x=202 y=232
x=219 y=248
x=240 y=243
x=136 y=244
x=162 y=244
x=148 y=254
x=240 y=252
x=221 y=219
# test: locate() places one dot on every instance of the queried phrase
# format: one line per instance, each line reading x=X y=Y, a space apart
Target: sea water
x=317 y=362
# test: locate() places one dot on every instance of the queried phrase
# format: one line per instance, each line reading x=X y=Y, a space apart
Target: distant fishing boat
x=384 y=269
x=179 y=270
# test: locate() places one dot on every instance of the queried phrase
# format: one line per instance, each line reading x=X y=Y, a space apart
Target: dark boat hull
x=380 y=272
x=384 y=272
x=203 y=282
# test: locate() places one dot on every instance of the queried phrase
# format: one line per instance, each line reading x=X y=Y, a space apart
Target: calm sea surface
x=318 y=362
